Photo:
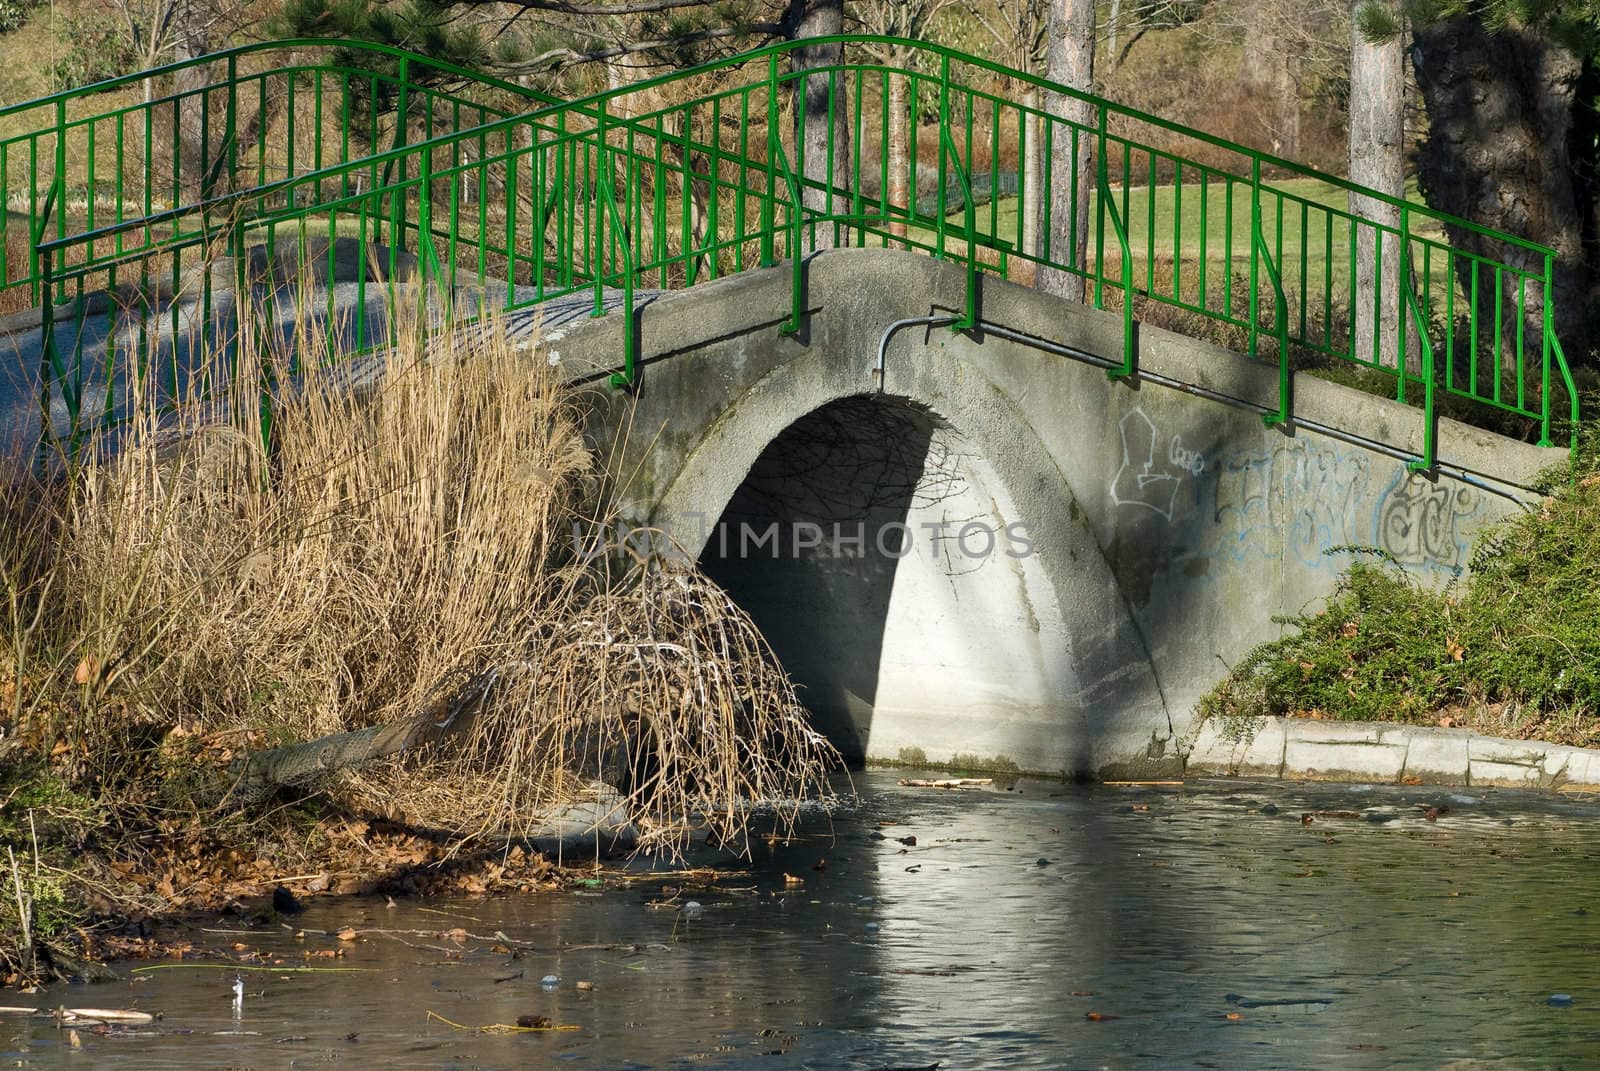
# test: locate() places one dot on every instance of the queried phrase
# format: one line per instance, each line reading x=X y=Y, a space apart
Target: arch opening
x=887 y=568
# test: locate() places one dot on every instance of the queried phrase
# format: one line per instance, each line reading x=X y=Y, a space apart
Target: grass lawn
x=1165 y=223
x=1208 y=267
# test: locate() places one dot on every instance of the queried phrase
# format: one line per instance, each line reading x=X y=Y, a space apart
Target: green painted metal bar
x=591 y=198
x=1280 y=315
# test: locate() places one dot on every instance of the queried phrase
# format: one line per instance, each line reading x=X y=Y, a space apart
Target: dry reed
x=346 y=555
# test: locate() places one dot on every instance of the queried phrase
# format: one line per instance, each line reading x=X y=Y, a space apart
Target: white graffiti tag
x=1145 y=478
x=1180 y=456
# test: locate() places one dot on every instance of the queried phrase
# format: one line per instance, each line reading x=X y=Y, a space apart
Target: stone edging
x=1305 y=749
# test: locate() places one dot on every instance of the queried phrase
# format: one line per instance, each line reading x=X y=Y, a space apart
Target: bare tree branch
x=566 y=57
x=568 y=7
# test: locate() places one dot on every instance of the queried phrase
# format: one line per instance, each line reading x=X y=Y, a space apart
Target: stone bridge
x=986 y=547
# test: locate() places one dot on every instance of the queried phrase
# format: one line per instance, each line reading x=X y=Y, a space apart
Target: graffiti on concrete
x=1291 y=499
x=1151 y=470
x=1420 y=522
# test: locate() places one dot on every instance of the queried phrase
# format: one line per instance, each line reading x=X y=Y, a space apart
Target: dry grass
x=15 y=298
x=250 y=577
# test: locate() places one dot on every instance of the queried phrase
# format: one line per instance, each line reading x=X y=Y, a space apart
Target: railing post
x=774 y=142
x=940 y=199
x=1280 y=321
x=1102 y=197
x=426 y=261
x=61 y=184
x=402 y=137
x=1544 y=365
x=602 y=163
x=1255 y=251
x=49 y=357
x=1410 y=312
x=1102 y=185
x=231 y=127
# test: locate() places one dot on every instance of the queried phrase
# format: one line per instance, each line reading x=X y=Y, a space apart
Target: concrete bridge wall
x=1003 y=554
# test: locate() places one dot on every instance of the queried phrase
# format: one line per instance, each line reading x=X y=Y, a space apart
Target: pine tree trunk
x=1033 y=175
x=1377 y=160
x=1503 y=117
x=1268 y=67
x=821 y=146
x=898 y=133
x=1069 y=60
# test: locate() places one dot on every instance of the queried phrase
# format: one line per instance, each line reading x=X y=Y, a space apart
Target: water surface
x=1377 y=940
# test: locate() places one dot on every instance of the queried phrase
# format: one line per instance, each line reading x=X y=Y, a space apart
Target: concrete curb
x=1302 y=749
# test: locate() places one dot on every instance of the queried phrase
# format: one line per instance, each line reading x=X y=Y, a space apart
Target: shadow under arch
x=811 y=541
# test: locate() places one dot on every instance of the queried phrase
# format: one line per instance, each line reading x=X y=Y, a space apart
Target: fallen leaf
x=1097 y=1017
x=790 y=879
x=1233 y=1017
x=347 y=934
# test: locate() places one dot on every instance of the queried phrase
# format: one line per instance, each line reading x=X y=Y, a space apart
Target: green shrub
x=14 y=14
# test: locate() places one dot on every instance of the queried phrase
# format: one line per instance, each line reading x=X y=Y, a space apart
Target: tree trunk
x=1033 y=175
x=199 y=134
x=1069 y=60
x=1377 y=160
x=1505 y=130
x=1268 y=66
x=821 y=147
x=261 y=772
x=898 y=132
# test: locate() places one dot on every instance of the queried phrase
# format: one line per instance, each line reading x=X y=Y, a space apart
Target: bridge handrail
x=284 y=45
x=554 y=128
x=128 y=132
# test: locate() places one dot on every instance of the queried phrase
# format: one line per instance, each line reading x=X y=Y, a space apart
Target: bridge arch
x=1014 y=643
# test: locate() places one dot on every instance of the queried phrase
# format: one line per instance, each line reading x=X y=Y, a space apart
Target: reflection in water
x=1349 y=942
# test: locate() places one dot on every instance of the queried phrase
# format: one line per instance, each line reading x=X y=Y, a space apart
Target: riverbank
x=1386 y=753
x=342 y=642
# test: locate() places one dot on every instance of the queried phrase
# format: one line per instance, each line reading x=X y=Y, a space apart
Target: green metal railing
x=244 y=117
x=616 y=192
